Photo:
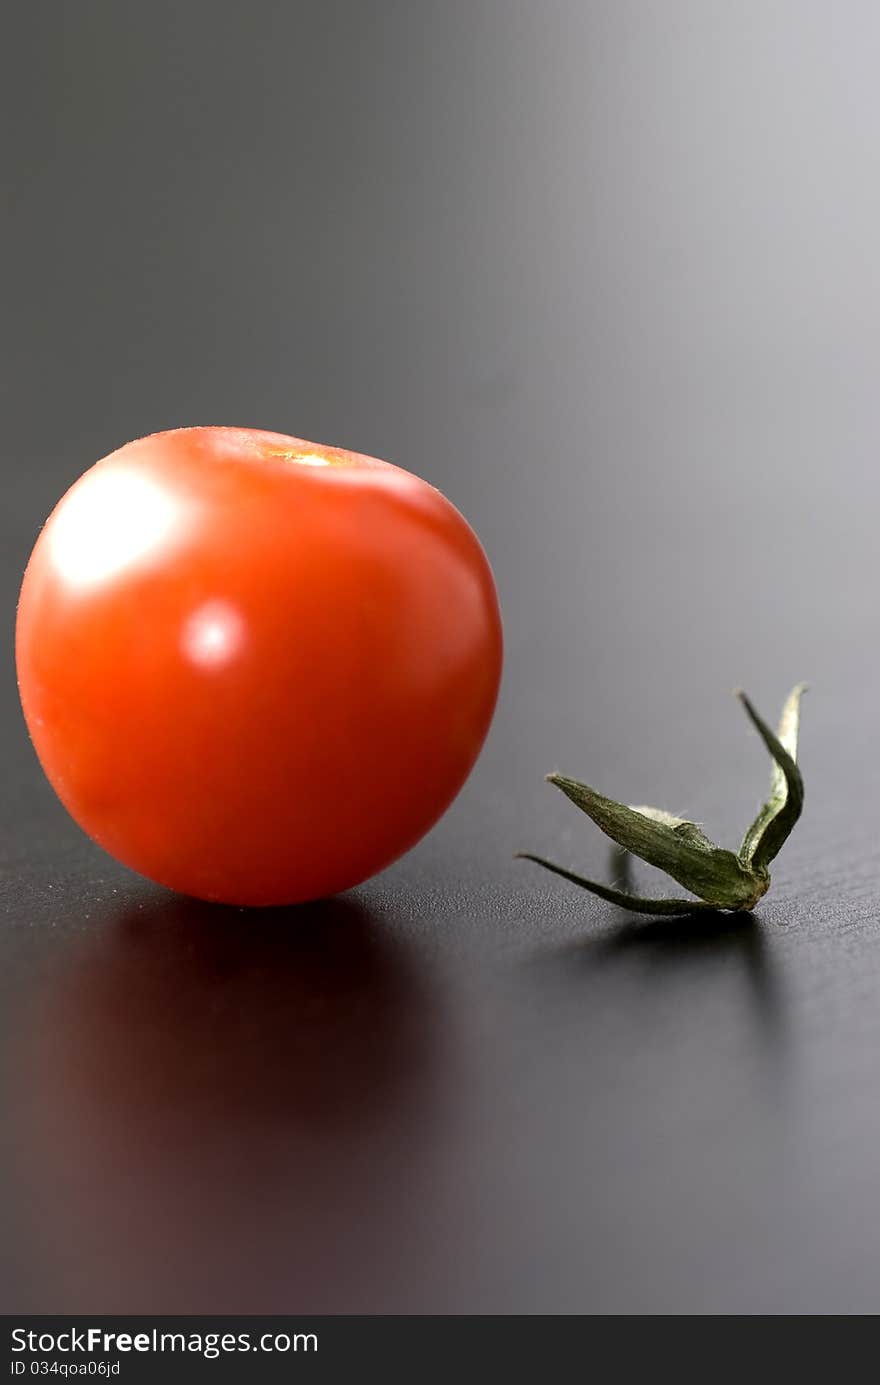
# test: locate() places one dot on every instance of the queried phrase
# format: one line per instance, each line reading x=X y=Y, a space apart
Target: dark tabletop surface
x=607 y=275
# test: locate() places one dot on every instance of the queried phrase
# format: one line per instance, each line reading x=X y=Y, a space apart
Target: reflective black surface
x=603 y=273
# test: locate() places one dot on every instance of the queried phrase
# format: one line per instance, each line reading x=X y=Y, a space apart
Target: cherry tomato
x=256 y=669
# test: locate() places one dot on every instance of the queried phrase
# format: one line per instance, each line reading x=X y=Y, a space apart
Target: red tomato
x=256 y=669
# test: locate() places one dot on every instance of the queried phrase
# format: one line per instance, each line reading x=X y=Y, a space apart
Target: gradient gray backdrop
x=606 y=273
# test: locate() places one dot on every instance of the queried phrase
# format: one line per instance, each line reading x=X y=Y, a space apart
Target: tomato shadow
x=307 y=1014
x=216 y=1104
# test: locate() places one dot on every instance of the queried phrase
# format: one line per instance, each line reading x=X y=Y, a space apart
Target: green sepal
x=681 y=850
x=786 y=800
x=637 y=903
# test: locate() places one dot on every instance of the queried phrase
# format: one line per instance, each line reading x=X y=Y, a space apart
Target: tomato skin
x=256 y=669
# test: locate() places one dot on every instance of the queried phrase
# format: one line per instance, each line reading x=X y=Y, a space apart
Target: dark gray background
x=607 y=273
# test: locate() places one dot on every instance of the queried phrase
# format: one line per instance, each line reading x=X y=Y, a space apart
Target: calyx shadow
x=683 y=942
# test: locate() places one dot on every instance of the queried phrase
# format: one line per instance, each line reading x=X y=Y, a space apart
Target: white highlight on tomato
x=109 y=521
x=213 y=634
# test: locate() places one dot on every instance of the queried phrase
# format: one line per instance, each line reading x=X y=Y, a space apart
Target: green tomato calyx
x=719 y=879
